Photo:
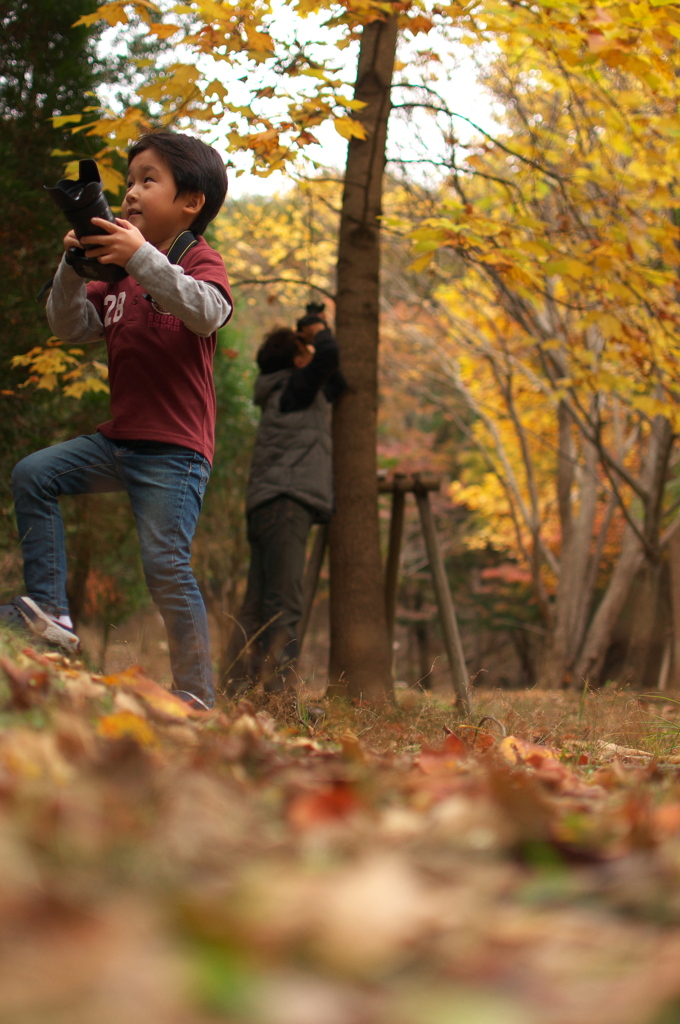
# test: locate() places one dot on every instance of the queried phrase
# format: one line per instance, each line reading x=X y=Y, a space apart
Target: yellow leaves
x=260 y=44
x=177 y=81
x=62 y=119
x=416 y=23
x=566 y=265
x=127 y=725
x=216 y=88
x=46 y=364
x=163 y=30
x=114 y=12
x=30 y=755
x=535 y=248
x=83 y=382
x=422 y=262
x=654 y=405
x=608 y=324
x=601 y=44
x=348 y=128
x=112 y=179
x=164 y=704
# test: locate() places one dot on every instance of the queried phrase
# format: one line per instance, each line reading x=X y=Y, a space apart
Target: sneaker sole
x=192 y=700
x=43 y=626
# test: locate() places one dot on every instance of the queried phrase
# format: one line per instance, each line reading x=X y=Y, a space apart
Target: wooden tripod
x=399 y=485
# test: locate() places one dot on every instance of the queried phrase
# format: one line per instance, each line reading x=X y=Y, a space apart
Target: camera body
x=313 y=315
x=80 y=201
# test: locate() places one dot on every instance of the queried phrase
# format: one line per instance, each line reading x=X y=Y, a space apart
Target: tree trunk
x=360 y=659
x=646 y=638
x=597 y=641
x=573 y=585
x=632 y=557
x=674 y=566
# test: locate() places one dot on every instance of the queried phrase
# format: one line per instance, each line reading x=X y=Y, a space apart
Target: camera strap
x=178 y=250
x=180 y=247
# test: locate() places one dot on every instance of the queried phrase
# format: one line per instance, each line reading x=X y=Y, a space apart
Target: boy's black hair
x=195 y=167
x=278 y=350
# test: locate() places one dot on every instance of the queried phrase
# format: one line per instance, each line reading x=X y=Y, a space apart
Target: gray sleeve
x=200 y=305
x=70 y=314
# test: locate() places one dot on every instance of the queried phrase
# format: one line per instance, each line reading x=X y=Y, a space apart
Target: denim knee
x=165 y=579
x=25 y=476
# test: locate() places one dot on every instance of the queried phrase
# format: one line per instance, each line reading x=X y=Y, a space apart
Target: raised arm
x=201 y=305
x=70 y=314
x=305 y=382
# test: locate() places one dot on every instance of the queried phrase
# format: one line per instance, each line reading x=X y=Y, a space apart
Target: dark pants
x=264 y=642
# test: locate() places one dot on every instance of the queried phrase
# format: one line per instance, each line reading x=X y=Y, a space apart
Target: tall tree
x=360 y=656
x=275 y=132
x=562 y=329
x=46 y=69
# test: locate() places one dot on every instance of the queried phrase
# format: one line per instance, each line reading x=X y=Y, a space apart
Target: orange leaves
x=113 y=12
x=28 y=685
x=230 y=867
x=159 y=701
x=516 y=751
x=333 y=803
x=348 y=128
x=241 y=37
x=526 y=780
x=445 y=758
x=127 y=725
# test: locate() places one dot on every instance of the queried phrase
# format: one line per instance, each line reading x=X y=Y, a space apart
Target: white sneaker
x=192 y=700
x=45 y=626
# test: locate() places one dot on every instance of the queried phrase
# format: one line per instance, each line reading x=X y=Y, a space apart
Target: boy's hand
x=70 y=240
x=118 y=242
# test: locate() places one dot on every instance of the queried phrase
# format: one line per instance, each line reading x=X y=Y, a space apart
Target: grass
x=347 y=878
x=572 y=721
x=568 y=720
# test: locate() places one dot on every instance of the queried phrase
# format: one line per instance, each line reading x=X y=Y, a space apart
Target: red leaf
x=445 y=758
x=332 y=803
x=28 y=685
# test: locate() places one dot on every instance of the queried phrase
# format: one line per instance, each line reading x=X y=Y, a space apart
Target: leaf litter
x=261 y=864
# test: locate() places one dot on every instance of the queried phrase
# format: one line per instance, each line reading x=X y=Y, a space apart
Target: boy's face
x=151 y=204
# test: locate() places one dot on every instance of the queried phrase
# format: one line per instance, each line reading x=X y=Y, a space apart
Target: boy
x=290 y=487
x=160 y=325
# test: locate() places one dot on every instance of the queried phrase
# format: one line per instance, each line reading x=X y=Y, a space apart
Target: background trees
x=539 y=319
x=45 y=69
x=560 y=331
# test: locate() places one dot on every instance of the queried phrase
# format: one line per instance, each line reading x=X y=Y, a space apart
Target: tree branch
x=282 y=280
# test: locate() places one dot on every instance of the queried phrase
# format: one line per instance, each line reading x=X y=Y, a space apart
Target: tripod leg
x=454 y=647
x=392 y=567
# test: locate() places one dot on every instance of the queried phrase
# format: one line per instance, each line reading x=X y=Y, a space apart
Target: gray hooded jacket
x=293 y=451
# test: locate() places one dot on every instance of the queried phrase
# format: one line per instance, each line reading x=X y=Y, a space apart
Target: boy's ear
x=194 y=203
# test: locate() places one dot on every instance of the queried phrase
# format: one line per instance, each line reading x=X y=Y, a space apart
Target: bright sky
x=456 y=82
x=421 y=137
x=463 y=95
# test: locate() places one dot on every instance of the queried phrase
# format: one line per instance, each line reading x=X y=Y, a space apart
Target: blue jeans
x=165 y=484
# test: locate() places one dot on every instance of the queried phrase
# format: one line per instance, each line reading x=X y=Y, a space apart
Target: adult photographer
x=290 y=487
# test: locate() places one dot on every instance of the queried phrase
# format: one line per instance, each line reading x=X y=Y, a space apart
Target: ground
x=301 y=861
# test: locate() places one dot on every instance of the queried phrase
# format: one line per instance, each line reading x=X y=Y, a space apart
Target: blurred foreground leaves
x=165 y=866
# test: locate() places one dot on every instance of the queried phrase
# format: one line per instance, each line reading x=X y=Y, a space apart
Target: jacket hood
x=268 y=382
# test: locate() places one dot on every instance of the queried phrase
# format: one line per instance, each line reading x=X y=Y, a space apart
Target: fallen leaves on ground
x=168 y=867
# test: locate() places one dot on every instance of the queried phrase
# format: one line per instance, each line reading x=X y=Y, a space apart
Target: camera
x=313 y=315
x=80 y=201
